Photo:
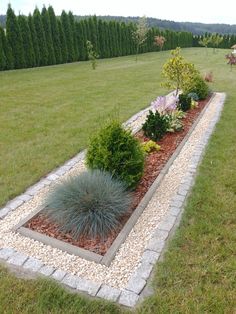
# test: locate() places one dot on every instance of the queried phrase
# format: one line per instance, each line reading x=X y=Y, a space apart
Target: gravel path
x=130 y=253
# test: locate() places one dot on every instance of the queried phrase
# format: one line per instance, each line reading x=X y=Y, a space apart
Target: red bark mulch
x=153 y=164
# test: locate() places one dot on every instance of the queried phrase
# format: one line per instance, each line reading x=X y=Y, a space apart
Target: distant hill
x=195 y=28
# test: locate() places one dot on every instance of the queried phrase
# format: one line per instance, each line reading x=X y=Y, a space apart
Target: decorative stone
x=88 y=286
x=58 y=274
x=168 y=223
x=155 y=245
x=71 y=280
x=136 y=284
x=108 y=293
x=160 y=235
x=150 y=257
x=52 y=177
x=5 y=253
x=128 y=298
x=15 y=203
x=33 y=264
x=144 y=270
x=17 y=259
x=25 y=197
x=4 y=212
x=174 y=211
x=46 y=270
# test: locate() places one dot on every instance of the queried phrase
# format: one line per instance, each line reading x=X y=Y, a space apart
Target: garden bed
x=98 y=249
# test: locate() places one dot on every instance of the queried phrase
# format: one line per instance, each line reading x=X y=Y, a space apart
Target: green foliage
x=177 y=71
x=48 y=36
x=55 y=35
x=34 y=37
x=66 y=25
x=3 y=60
x=92 y=55
x=150 y=146
x=38 y=24
x=64 y=50
x=174 y=121
x=89 y=204
x=197 y=85
x=155 y=126
x=139 y=34
x=115 y=150
x=27 y=41
x=184 y=102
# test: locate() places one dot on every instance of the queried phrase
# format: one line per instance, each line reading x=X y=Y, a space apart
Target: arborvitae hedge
x=45 y=39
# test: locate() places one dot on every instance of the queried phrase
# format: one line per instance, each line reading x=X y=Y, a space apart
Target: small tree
x=205 y=42
x=159 y=41
x=92 y=55
x=231 y=60
x=177 y=71
x=215 y=41
x=139 y=35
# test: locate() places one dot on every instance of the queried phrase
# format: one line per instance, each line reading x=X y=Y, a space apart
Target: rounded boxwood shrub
x=115 y=150
x=88 y=204
x=198 y=86
x=184 y=102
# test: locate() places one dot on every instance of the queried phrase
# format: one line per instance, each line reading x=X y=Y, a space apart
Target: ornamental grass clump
x=115 y=150
x=90 y=204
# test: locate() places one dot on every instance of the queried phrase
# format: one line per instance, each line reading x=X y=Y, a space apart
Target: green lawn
x=46 y=117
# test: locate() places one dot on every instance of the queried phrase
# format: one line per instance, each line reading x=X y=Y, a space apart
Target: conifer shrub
x=115 y=150
x=199 y=86
x=155 y=126
x=184 y=102
x=90 y=204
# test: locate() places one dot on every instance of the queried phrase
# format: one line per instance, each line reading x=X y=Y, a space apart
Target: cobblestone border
x=153 y=252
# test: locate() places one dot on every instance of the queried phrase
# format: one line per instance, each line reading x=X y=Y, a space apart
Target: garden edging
x=155 y=248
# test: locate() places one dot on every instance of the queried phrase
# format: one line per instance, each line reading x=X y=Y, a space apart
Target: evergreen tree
x=81 y=41
x=41 y=37
x=55 y=35
x=74 y=37
x=37 y=54
x=64 y=51
x=102 y=43
x=27 y=41
x=48 y=36
x=15 y=39
x=9 y=65
x=69 y=35
x=3 y=59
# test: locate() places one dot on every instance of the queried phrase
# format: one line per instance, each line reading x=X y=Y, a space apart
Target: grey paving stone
x=144 y=270
x=58 y=275
x=4 y=212
x=109 y=293
x=15 y=203
x=168 y=223
x=17 y=259
x=155 y=245
x=136 y=284
x=88 y=286
x=176 y=203
x=52 y=177
x=35 y=189
x=33 y=264
x=160 y=235
x=71 y=280
x=180 y=198
x=174 y=211
x=62 y=170
x=183 y=192
x=25 y=197
x=128 y=298
x=5 y=253
x=150 y=257
x=45 y=181
x=46 y=270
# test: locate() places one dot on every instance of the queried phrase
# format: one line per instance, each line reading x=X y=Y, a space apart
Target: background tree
x=140 y=34
x=159 y=41
x=215 y=40
x=3 y=59
x=205 y=42
x=69 y=35
x=92 y=55
x=27 y=41
x=74 y=36
x=37 y=19
x=9 y=61
x=15 y=39
x=48 y=36
x=64 y=51
x=55 y=35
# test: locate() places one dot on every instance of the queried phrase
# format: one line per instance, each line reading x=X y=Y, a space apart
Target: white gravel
x=128 y=257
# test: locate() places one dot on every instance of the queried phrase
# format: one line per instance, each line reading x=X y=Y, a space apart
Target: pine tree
x=81 y=41
x=41 y=37
x=37 y=54
x=48 y=36
x=74 y=36
x=101 y=33
x=55 y=35
x=69 y=35
x=3 y=59
x=27 y=41
x=7 y=51
x=64 y=51
x=15 y=39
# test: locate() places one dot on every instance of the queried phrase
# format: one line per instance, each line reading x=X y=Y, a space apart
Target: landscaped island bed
x=154 y=163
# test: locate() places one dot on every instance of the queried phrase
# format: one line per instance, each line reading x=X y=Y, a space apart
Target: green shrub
x=88 y=204
x=198 y=86
x=184 y=102
x=155 y=126
x=150 y=146
x=115 y=150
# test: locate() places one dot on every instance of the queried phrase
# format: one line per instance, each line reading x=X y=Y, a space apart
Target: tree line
x=227 y=40
x=41 y=39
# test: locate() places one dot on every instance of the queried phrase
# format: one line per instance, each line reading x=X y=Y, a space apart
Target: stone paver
x=108 y=293
x=150 y=257
x=33 y=264
x=17 y=259
x=128 y=298
x=136 y=284
x=5 y=253
x=155 y=245
x=4 y=212
x=58 y=275
x=88 y=286
x=71 y=280
x=47 y=270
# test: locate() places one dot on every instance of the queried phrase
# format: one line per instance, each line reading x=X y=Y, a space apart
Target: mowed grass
x=198 y=272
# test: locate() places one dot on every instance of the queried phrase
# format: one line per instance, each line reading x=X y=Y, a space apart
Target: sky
x=205 y=11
